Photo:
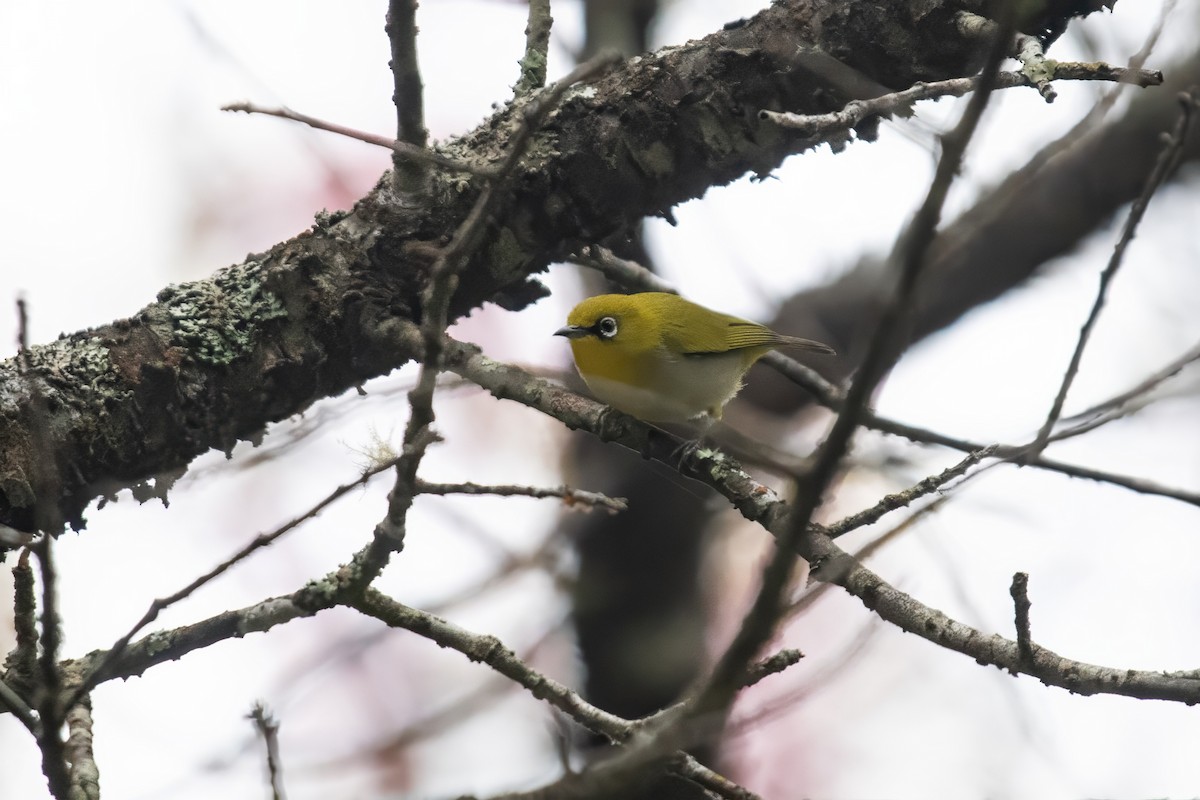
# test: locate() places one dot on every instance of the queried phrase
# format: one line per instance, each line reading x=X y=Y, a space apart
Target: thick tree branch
x=214 y=361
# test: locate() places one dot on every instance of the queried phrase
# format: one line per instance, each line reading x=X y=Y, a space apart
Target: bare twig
x=772 y=665
x=456 y=711
x=50 y=689
x=160 y=604
x=1020 y=595
x=897 y=102
x=401 y=150
x=491 y=651
x=11 y=701
x=408 y=92
x=812 y=593
x=1117 y=406
x=440 y=288
x=268 y=727
x=1166 y=163
x=22 y=661
x=46 y=676
x=830 y=396
x=908 y=259
x=85 y=775
x=897 y=500
x=571 y=497
x=537 y=47
x=1034 y=66
x=832 y=670
x=619 y=270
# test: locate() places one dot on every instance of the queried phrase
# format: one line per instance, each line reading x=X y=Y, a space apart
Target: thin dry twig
x=11 y=701
x=491 y=651
x=898 y=102
x=891 y=502
x=21 y=662
x=813 y=593
x=908 y=258
x=160 y=604
x=50 y=689
x=772 y=665
x=268 y=727
x=449 y=716
x=571 y=497
x=49 y=692
x=537 y=47
x=407 y=92
x=781 y=703
x=442 y=284
x=830 y=396
x=401 y=150
x=1118 y=405
x=1166 y=163
x=620 y=271
x=1020 y=595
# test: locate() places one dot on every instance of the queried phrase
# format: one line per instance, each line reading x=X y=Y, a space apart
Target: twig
x=1034 y=65
x=1116 y=406
x=897 y=500
x=452 y=714
x=440 y=288
x=571 y=497
x=537 y=47
x=813 y=593
x=408 y=92
x=908 y=614
x=491 y=651
x=897 y=102
x=619 y=270
x=832 y=670
x=756 y=503
x=11 y=701
x=401 y=150
x=85 y=775
x=268 y=727
x=771 y=666
x=1166 y=163
x=262 y=540
x=50 y=689
x=1020 y=595
x=830 y=396
x=22 y=661
x=46 y=676
x=908 y=259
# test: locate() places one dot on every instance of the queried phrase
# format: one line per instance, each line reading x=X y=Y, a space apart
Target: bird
x=664 y=359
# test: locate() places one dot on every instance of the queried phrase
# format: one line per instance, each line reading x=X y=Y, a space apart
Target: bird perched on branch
x=661 y=358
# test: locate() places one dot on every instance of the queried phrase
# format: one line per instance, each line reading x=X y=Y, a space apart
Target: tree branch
x=214 y=361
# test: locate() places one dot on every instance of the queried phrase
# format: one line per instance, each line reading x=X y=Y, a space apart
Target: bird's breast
x=657 y=386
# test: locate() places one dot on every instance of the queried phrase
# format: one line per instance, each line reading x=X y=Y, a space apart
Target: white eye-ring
x=607 y=328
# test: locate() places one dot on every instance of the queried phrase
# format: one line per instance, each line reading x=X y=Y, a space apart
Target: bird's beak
x=572 y=331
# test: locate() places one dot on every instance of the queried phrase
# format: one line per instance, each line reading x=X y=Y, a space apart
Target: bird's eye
x=607 y=328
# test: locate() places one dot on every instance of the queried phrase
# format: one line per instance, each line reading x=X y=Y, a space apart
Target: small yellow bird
x=664 y=359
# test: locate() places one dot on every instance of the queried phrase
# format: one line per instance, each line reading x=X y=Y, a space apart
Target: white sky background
x=121 y=176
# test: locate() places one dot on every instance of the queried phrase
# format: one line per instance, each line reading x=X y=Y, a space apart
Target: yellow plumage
x=665 y=359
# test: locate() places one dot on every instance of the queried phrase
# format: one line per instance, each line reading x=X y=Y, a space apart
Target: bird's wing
x=717 y=333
